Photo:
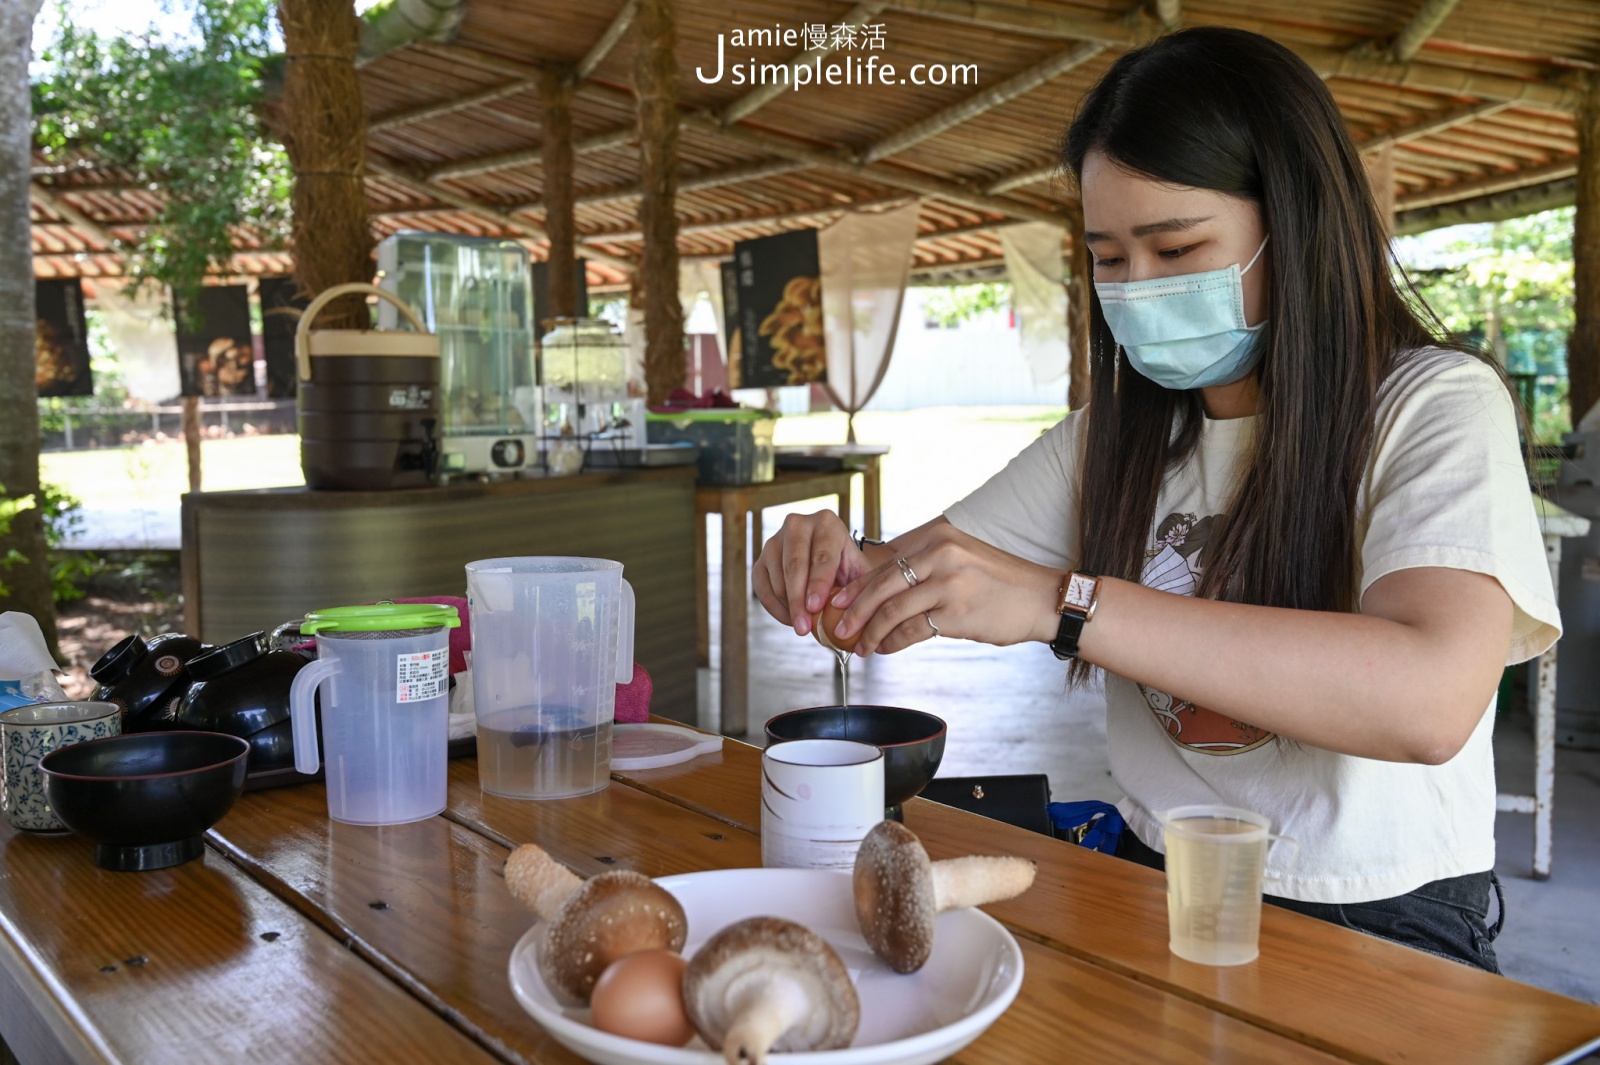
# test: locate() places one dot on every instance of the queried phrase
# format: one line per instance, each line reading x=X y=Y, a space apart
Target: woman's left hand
x=970 y=589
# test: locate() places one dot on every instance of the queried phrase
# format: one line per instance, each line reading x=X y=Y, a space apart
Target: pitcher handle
x=303 y=713
x=625 y=619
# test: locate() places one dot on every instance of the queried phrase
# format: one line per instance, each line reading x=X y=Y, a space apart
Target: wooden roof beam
x=480 y=98
x=897 y=177
x=724 y=224
x=1138 y=28
x=1488 y=186
x=1169 y=13
x=762 y=95
x=608 y=40
x=1020 y=178
x=1494 y=208
x=1403 y=47
x=973 y=106
x=80 y=221
x=486 y=164
x=393 y=173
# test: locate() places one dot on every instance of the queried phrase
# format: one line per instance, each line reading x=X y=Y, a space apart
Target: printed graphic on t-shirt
x=1173 y=564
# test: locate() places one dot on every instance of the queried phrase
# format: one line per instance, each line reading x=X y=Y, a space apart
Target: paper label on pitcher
x=422 y=676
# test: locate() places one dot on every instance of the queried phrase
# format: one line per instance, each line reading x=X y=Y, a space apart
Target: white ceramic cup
x=819 y=799
x=27 y=734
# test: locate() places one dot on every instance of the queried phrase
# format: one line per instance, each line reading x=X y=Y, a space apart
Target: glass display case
x=584 y=371
x=476 y=294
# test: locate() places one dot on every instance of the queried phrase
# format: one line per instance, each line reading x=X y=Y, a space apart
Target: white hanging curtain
x=703 y=275
x=865 y=259
x=142 y=336
x=1039 y=295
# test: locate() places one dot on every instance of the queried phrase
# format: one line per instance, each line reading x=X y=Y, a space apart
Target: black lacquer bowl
x=145 y=799
x=912 y=741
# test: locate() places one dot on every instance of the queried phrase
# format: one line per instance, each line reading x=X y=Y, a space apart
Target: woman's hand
x=968 y=588
x=802 y=564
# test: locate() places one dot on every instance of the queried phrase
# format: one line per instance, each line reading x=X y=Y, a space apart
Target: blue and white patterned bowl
x=27 y=734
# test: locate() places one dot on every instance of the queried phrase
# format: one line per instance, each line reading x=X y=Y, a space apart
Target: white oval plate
x=918 y=1018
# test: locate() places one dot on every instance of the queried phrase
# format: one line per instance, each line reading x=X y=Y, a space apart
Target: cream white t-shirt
x=1445 y=486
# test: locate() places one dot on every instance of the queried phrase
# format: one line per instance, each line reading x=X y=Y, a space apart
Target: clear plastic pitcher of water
x=552 y=637
x=384 y=674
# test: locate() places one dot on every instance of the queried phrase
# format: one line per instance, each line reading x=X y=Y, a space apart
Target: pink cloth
x=633 y=698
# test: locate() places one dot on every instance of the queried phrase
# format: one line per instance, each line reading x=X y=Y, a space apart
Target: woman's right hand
x=802 y=564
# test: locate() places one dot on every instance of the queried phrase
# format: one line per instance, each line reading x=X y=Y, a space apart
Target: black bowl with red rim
x=147 y=798
x=912 y=742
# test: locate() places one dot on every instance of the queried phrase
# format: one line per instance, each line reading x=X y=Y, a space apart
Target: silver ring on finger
x=907 y=572
x=931 y=625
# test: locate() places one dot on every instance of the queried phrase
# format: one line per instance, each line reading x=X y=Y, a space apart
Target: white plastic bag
x=27 y=672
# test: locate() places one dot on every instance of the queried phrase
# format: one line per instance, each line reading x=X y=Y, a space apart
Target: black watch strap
x=1065 y=645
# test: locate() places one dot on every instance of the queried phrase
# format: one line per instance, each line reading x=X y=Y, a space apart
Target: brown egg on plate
x=640 y=996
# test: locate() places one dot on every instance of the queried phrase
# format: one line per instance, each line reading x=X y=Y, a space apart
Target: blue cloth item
x=1186 y=331
x=1101 y=823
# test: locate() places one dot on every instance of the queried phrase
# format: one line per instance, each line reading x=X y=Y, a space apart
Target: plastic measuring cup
x=384 y=671
x=1216 y=856
x=552 y=637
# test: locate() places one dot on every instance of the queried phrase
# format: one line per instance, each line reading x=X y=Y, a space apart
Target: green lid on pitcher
x=381 y=617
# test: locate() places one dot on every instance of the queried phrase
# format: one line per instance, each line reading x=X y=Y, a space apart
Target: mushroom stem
x=538 y=881
x=977 y=881
x=763 y=1006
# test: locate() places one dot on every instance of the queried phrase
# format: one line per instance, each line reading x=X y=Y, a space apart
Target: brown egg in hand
x=640 y=996
x=822 y=628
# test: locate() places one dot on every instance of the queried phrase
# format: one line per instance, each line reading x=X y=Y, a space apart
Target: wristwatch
x=1080 y=595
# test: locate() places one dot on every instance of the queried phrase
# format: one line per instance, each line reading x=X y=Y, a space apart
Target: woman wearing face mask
x=1292 y=525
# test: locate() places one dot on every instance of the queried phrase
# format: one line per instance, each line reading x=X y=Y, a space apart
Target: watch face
x=1080 y=589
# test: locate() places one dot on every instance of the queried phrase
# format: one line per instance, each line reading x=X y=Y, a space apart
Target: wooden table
x=737 y=504
x=295 y=940
x=863 y=457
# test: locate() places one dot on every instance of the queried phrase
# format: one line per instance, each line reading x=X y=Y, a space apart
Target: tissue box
x=735 y=444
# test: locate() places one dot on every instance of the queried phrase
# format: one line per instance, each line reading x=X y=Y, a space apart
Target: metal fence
x=75 y=428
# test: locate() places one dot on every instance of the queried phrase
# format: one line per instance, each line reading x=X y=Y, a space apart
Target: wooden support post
x=1380 y=174
x=191 y=439
x=324 y=130
x=556 y=95
x=655 y=73
x=1583 y=349
x=1078 y=280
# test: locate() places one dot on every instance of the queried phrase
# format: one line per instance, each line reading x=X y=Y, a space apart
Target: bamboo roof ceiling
x=1475 y=99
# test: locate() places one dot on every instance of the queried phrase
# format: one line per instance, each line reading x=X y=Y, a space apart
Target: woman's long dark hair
x=1231 y=111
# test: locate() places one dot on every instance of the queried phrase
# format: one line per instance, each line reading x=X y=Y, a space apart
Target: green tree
x=179 y=117
x=951 y=305
x=1508 y=287
x=24 y=568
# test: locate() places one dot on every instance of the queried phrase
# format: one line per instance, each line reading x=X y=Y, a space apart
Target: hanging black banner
x=278 y=324
x=215 y=357
x=61 y=339
x=780 y=310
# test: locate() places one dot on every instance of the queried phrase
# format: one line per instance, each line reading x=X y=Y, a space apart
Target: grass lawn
x=937 y=455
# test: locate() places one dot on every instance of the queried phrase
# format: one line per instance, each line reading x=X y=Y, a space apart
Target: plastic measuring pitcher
x=552 y=637
x=384 y=671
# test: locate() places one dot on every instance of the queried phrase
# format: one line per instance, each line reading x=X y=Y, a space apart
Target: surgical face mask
x=1186 y=331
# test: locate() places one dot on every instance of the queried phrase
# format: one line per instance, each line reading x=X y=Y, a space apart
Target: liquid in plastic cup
x=552 y=637
x=1216 y=856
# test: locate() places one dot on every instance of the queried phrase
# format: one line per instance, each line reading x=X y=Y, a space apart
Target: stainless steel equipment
x=476 y=294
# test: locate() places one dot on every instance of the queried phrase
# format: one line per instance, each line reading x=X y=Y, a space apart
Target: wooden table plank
x=425 y=903
x=1330 y=987
x=660 y=838
x=194 y=963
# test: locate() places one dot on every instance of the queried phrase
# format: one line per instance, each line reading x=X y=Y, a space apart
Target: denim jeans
x=1447 y=917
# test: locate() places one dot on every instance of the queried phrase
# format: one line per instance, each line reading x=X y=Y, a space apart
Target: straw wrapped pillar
x=655 y=74
x=1078 y=280
x=557 y=155
x=324 y=130
x=1583 y=350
